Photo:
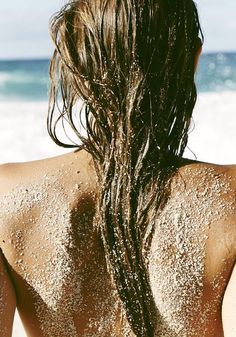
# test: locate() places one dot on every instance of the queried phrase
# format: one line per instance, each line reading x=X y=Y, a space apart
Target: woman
x=124 y=237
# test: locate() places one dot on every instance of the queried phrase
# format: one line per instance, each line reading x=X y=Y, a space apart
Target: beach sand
x=23 y=133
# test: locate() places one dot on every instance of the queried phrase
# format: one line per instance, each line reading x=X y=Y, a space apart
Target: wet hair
x=131 y=63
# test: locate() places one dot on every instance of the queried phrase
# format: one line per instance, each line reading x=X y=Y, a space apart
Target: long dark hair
x=131 y=62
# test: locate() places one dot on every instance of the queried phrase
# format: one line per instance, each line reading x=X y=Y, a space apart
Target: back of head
x=132 y=63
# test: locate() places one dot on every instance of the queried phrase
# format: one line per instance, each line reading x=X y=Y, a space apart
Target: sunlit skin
x=78 y=167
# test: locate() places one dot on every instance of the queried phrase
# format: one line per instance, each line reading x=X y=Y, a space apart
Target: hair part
x=132 y=64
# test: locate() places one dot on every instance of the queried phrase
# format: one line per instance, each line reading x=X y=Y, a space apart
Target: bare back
x=56 y=263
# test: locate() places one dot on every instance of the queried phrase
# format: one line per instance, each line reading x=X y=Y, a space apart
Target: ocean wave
x=4 y=77
x=21 y=78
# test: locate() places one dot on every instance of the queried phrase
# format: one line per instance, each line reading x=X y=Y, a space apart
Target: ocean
x=24 y=80
x=23 y=108
x=27 y=80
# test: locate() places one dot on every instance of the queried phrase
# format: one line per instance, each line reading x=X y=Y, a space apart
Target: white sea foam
x=4 y=76
x=23 y=135
x=213 y=138
x=20 y=78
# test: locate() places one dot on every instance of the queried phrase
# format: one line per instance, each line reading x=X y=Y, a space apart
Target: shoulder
x=219 y=180
x=202 y=171
x=68 y=168
x=62 y=172
x=28 y=191
x=7 y=177
x=215 y=185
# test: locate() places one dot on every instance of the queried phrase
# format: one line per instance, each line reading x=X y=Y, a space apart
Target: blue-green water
x=217 y=72
x=27 y=80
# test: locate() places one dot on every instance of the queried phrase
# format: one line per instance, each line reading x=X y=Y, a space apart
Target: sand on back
x=56 y=260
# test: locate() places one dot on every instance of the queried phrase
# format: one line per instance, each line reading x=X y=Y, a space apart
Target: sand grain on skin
x=177 y=253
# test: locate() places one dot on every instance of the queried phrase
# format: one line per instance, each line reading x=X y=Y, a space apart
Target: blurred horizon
x=47 y=58
x=28 y=79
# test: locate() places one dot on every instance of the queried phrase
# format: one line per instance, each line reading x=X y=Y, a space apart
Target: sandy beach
x=23 y=134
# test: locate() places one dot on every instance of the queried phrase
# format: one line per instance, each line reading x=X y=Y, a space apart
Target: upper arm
x=7 y=300
x=7 y=291
x=231 y=172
